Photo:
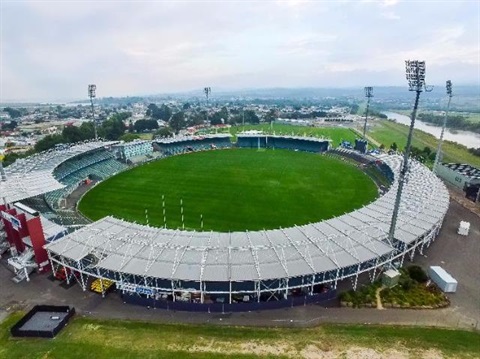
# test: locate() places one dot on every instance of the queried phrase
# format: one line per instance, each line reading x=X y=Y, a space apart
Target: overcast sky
x=51 y=50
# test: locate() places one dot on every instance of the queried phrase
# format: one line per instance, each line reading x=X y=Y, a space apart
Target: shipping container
x=443 y=279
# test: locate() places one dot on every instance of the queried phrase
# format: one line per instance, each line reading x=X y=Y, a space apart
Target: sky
x=51 y=50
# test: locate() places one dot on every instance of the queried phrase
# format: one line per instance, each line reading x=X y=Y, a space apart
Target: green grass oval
x=233 y=190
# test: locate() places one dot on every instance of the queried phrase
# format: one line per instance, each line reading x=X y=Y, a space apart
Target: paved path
x=379 y=299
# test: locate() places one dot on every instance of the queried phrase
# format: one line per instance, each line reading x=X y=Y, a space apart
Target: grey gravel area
x=44 y=321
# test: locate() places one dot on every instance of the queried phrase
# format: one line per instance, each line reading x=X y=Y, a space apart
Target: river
x=466 y=138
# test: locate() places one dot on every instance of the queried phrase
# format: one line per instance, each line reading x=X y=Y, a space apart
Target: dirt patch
x=313 y=352
x=267 y=349
x=310 y=351
x=432 y=354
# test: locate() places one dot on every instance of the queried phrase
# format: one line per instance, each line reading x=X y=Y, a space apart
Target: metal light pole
x=91 y=94
x=243 y=118
x=415 y=71
x=440 y=142
x=368 y=95
x=207 y=91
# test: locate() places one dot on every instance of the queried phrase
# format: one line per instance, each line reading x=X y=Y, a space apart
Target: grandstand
x=32 y=176
x=130 y=151
x=252 y=270
x=308 y=144
x=211 y=271
x=97 y=165
x=184 y=144
x=41 y=181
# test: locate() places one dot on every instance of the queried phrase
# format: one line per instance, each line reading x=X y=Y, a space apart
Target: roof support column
x=101 y=283
x=356 y=277
x=257 y=288
x=372 y=279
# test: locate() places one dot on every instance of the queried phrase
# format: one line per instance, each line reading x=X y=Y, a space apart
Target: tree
x=177 y=121
x=13 y=112
x=10 y=126
x=251 y=117
x=87 y=130
x=48 y=142
x=196 y=118
x=153 y=111
x=129 y=137
x=220 y=117
x=72 y=134
x=114 y=127
x=164 y=132
x=394 y=146
x=131 y=129
x=165 y=113
x=271 y=115
x=417 y=273
x=123 y=115
x=145 y=125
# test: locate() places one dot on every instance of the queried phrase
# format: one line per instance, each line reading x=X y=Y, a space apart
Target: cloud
x=51 y=50
x=390 y=15
x=389 y=3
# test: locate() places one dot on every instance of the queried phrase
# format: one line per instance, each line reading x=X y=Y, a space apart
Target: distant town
x=28 y=128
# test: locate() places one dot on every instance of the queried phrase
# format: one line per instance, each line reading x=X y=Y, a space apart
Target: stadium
x=208 y=271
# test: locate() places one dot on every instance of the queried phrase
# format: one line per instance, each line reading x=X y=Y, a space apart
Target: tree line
x=457 y=122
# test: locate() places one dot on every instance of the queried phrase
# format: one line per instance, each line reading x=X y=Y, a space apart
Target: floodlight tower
x=368 y=95
x=91 y=94
x=3 y=177
x=415 y=73
x=439 y=148
x=207 y=91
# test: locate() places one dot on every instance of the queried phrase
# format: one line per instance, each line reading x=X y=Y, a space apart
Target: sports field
x=233 y=190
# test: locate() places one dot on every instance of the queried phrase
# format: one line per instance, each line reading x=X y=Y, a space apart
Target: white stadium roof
x=336 y=243
x=32 y=176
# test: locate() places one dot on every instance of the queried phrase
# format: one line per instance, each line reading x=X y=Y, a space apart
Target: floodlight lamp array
x=91 y=90
x=207 y=91
x=449 y=88
x=415 y=73
x=369 y=91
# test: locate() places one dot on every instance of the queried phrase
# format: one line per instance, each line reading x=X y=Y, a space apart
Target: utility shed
x=390 y=278
x=443 y=279
x=464 y=228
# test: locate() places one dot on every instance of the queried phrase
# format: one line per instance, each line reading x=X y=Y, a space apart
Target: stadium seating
x=285 y=142
x=99 y=165
x=101 y=285
x=172 y=147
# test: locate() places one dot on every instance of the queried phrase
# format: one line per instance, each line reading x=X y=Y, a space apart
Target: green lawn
x=89 y=338
x=234 y=190
x=387 y=132
x=336 y=134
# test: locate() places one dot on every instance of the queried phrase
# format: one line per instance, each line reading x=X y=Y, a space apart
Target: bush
x=417 y=274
